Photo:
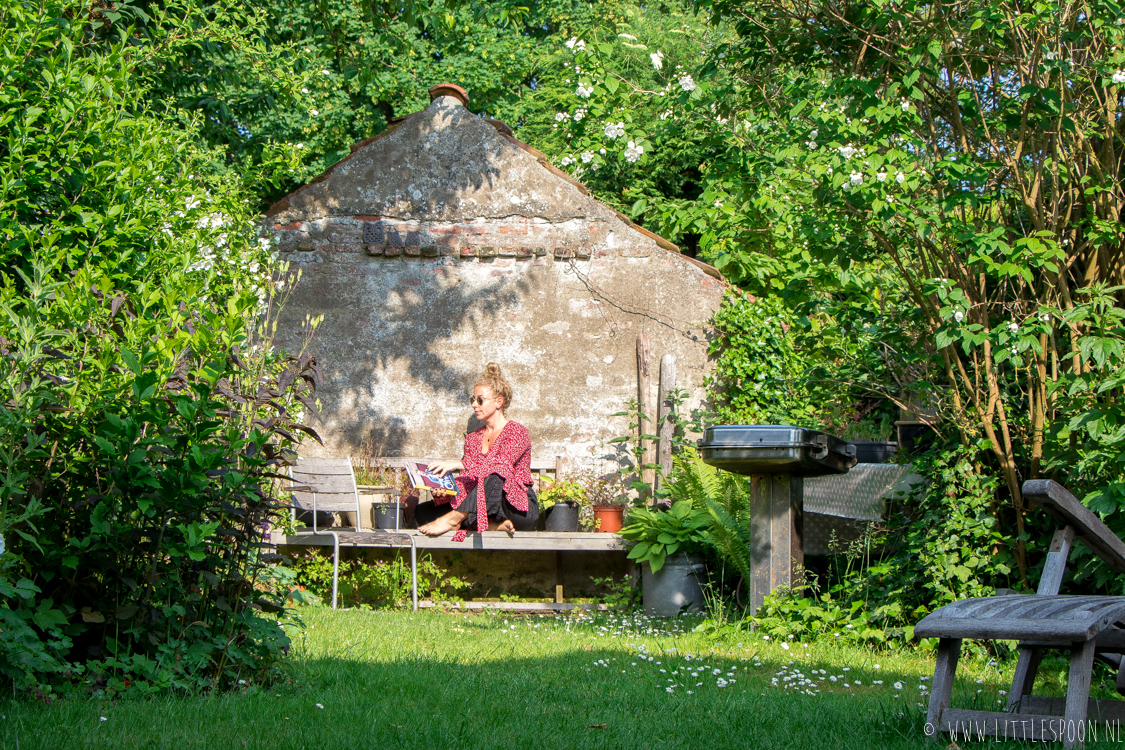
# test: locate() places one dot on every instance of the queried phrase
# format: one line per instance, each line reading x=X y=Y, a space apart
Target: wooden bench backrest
x=330 y=479
x=1068 y=510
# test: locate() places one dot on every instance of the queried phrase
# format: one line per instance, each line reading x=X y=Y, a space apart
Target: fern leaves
x=726 y=499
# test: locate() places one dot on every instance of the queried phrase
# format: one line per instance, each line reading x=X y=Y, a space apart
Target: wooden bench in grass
x=1085 y=626
x=328 y=485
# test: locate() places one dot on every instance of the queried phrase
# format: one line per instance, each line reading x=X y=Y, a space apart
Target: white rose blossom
x=561 y=116
x=633 y=152
x=582 y=92
x=855 y=179
x=657 y=59
x=587 y=157
x=579 y=114
x=1119 y=76
x=900 y=178
x=687 y=83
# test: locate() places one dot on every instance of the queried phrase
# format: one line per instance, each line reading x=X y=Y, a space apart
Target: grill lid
x=775 y=449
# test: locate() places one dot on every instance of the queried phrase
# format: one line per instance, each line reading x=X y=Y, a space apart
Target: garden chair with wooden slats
x=1085 y=626
x=328 y=485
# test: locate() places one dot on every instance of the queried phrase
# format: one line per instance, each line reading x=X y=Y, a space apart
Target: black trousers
x=499 y=509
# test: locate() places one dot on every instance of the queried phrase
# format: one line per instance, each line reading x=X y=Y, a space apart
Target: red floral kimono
x=509 y=456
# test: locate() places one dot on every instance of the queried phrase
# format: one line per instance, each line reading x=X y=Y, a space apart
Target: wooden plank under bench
x=489 y=540
x=515 y=606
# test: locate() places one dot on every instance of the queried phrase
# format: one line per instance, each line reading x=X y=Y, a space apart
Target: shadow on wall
x=380 y=325
x=382 y=317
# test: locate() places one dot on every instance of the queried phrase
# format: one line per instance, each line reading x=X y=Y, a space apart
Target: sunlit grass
x=442 y=680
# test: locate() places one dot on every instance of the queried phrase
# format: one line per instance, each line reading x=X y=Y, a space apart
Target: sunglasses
x=479 y=400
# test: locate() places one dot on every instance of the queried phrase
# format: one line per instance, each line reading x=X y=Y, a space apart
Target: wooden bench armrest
x=1064 y=507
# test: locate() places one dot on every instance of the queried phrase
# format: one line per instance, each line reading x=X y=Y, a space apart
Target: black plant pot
x=323 y=518
x=562 y=517
x=385 y=514
x=875 y=451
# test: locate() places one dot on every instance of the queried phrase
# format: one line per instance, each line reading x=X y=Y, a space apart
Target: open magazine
x=421 y=478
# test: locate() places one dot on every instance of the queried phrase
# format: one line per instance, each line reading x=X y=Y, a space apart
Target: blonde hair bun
x=493 y=379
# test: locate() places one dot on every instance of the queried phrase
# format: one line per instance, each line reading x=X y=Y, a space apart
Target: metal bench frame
x=328 y=484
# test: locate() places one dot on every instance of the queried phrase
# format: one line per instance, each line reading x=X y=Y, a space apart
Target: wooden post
x=560 y=469
x=665 y=427
x=648 y=476
x=777 y=552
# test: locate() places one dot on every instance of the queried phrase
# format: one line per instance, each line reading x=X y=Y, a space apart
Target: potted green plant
x=380 y=505
x=380 y=488
x=668 y=544
x=608 y=495
x=559 y=501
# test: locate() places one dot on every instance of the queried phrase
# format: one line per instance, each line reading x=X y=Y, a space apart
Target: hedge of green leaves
x=143 y=415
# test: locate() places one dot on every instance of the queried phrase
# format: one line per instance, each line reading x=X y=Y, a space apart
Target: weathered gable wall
x=443 y=246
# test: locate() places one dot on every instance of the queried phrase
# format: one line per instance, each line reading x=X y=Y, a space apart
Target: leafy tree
x=962 y=159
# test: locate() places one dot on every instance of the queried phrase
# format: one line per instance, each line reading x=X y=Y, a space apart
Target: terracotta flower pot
x=610 y=517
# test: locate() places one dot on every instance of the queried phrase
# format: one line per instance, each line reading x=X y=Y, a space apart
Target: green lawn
x=437 y=680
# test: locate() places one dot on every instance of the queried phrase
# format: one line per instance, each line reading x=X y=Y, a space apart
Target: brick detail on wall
x=330 y=244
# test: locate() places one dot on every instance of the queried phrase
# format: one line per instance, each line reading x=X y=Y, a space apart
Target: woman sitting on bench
x=494 y=488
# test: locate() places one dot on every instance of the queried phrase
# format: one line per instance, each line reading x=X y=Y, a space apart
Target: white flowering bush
x=882 y=194
x=616 y=99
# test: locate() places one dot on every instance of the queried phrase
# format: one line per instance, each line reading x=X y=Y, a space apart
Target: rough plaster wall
x=444 y=163
x=443 y=246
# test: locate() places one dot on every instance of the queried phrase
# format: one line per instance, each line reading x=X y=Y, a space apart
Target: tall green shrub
x=143 y=412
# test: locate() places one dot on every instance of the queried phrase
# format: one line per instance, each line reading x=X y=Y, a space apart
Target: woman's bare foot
x=505 y=526
x=451 y=521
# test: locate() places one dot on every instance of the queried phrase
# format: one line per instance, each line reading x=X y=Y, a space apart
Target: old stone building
x=444 y=243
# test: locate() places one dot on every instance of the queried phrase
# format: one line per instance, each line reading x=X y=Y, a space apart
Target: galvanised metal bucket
x=675 y=588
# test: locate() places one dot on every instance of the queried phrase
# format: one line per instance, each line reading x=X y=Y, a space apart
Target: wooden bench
x=1085 y=626
x=328 y=485
x=489 y=540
